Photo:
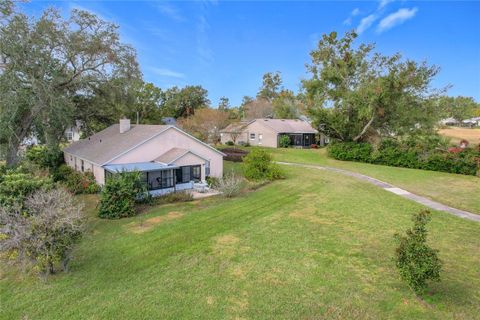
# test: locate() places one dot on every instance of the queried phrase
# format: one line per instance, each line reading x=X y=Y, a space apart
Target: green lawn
x=315 y=245
x=459 y=191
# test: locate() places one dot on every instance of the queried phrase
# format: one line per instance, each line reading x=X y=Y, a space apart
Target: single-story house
x=267 y=132
x=449 y=122
x=472 y=122
x=168 y=158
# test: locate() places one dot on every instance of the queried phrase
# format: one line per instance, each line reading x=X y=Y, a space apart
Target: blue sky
x=226 y=46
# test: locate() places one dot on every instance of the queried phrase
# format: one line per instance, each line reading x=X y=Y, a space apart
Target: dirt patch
x=239 y=304
x=457 y=134
x=227 y=239
x=148 y=224
x=239 y=272
x=210 y=300
x=309 y=215
x=226 y=245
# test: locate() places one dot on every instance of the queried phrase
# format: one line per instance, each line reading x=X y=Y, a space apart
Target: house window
x=160 y=179
x=207 y=168
x=82 y=165
x=252 y=136
x=69 y=135
x=196 y=173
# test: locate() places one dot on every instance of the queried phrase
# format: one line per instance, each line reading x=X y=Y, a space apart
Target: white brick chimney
x=124 y=125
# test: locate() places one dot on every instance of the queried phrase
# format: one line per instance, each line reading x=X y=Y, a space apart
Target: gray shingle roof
x=288 y=125
x=109 y=143
x=171 y=155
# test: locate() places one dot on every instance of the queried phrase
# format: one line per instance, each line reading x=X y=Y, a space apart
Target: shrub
x=415 y=260
x=314 y=146
x=16 y=186
x=76 y=182
x=173 y=197
x=45 y=157
x=244 y=144
x=426 y=153
x=258 y=165
x=229 y=143
x=44 y=232
x=284 y=141
x=211 y=181
x=350 y=151
x=120 y=193
x=229 y=185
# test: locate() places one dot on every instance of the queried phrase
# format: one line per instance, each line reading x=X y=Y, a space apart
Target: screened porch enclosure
x=300 y=139
x=160 y=178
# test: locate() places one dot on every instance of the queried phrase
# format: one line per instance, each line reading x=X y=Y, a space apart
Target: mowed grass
x=459 y=191
x=313 y=246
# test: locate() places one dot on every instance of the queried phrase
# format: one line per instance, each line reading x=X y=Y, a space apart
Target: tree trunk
x=364 y=129
x=12 y=154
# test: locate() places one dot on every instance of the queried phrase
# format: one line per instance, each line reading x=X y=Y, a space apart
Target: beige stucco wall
x=264 y=135
x=172 y=138
x=225 y=137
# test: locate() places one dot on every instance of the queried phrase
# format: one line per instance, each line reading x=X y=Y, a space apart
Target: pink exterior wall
x=190 y=159
x=172 y=138
x=98 y=171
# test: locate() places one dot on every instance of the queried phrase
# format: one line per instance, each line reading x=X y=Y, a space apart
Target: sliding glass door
x=188 y=173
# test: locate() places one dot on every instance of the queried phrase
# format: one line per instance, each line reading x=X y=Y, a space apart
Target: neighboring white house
x=74 y=133
x=472 y=122
x=169 y=158
x=449 y=122
x=267 y=132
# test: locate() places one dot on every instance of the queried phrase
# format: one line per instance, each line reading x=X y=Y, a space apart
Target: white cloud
x=366 y=23
x=170 y=11
x=348 y=21
x=383 y=3
x=396 y=18
x=164 y=72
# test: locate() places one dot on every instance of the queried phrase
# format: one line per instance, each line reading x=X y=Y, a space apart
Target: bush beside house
x=120 y=194
x=284 y=141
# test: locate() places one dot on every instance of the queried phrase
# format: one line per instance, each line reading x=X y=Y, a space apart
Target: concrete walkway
x=393 y=189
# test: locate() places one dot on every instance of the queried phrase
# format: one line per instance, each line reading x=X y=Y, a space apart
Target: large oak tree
x=50 y=64
x=354 y=92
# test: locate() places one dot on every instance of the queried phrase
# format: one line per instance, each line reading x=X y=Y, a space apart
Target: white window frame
x=252 y=136
x=69 y=135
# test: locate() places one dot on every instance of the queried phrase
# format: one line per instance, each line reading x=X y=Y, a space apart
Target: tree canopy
x=459 y=108
x=49 y=65
x=271 y=86
x=354 y=92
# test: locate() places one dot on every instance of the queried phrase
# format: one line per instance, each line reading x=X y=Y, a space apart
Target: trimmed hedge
x=408 y=155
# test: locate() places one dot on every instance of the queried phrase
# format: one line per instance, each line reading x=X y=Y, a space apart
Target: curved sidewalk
x=391 y=188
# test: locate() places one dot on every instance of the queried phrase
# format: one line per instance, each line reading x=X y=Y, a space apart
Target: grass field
x=315 y=245
x=457 y=134
x=459 y=191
